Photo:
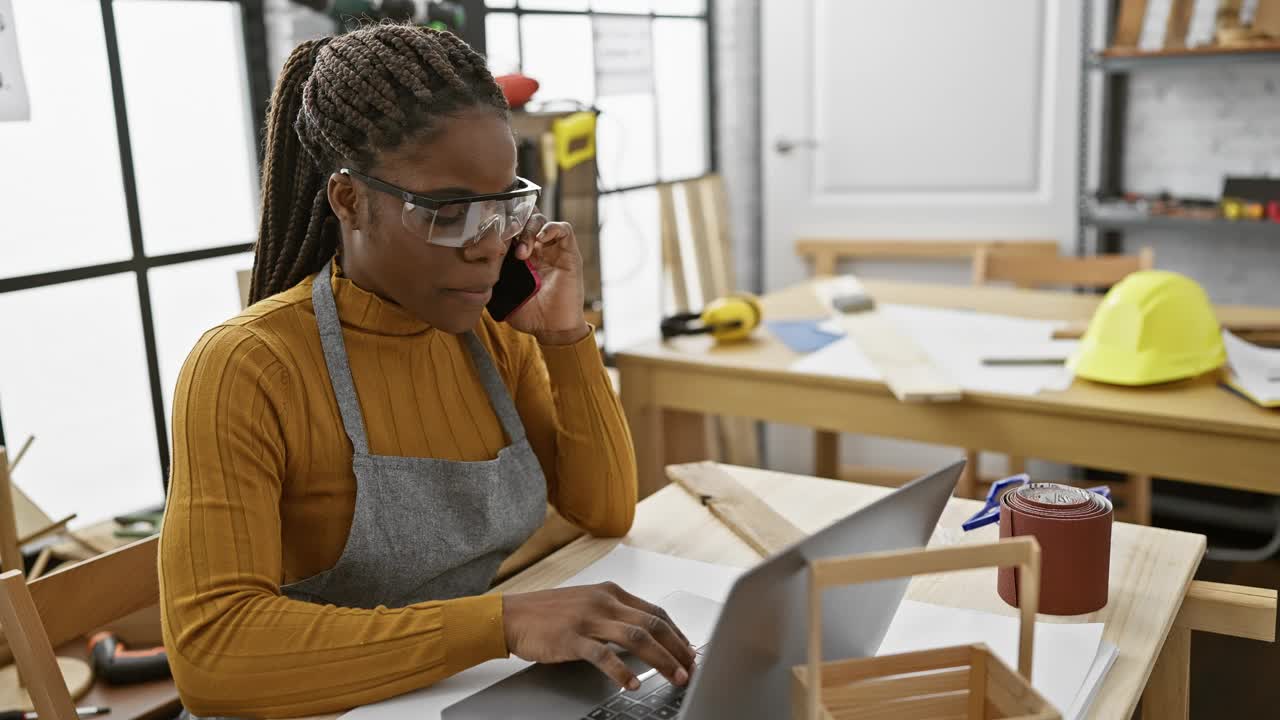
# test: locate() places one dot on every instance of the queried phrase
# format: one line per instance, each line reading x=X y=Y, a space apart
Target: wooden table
x=1150 y=568
x=1192 y=430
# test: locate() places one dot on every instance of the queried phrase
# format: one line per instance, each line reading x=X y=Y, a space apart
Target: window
x=655 y=122
x=133 y=204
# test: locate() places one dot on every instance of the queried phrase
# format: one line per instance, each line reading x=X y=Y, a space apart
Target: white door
x=926 y=119
x=917 y=119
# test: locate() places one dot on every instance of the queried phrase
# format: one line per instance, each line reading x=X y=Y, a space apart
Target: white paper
x=15 y=104
x=1064 y=653
x=956 y=341
x=1102 y=663
x=623 y=55
x=1256 y=369
x=649 y=575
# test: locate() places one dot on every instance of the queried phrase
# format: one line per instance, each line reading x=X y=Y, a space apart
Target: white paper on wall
x=14 y=102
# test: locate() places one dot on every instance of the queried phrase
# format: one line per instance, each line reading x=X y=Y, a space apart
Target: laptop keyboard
x=664 y=702
x=657 y=699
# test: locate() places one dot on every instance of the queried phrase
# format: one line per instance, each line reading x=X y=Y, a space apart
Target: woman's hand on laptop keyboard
x=578 y=623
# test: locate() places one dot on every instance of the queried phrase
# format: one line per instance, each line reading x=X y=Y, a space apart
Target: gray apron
x=424 y=529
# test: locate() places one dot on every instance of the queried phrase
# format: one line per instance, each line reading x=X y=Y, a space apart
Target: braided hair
x=343 y=100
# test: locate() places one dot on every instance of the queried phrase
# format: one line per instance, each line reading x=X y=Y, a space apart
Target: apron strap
x=335 y=357
x=499 y=397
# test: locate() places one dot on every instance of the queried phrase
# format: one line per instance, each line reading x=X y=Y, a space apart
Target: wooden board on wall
x=1179 y=23
x=1129 y=26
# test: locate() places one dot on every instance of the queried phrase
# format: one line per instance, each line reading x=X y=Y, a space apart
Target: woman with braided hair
x=357 y=452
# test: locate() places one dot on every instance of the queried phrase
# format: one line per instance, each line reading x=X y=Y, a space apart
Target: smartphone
x=517 y=283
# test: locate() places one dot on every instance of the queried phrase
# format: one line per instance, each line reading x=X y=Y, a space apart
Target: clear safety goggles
x=460 y=222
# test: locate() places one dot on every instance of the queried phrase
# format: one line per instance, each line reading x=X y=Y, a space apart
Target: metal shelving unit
x=1117 y=61
x=1165 y=222
x=1115 y=66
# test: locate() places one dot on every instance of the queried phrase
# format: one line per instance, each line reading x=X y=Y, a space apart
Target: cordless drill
x=118 y=665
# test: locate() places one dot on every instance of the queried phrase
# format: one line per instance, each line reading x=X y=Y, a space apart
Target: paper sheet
x=1255 y=371
x=14 y=102
x=1065 y=654
x=956 y=341
x=1102 y=663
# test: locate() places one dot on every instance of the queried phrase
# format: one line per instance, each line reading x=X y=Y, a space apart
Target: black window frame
x=707 y=16
x=253 y=27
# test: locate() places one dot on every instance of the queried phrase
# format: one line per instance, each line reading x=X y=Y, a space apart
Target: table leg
x=645 y=421
x=1140 y=497
x=686 y=437
x=826 y=454
x=1168 y=693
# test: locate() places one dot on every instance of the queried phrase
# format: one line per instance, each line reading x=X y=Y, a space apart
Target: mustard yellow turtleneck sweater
x=262 y=495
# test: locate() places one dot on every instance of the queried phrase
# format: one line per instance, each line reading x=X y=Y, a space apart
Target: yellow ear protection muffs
x=726 y=319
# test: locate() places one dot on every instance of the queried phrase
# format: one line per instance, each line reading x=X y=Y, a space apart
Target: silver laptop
x=745 y=669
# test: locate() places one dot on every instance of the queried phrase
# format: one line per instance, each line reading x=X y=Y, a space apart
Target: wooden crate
x=966 y=682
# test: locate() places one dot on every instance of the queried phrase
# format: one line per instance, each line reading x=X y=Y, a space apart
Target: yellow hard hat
x=1153 y=326
x=726 y=319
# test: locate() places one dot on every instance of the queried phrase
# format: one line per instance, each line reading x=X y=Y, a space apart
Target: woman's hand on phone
x=578 y=623
x=554 y=314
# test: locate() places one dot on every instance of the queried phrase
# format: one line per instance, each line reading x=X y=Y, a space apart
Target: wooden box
x=966 y=682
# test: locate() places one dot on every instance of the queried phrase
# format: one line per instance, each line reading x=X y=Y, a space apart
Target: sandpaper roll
x=1073 y=527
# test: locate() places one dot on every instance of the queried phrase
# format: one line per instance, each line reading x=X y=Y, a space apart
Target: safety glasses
x=460 y=222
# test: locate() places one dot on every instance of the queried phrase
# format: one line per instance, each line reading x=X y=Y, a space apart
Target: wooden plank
x=977 y=682
x=1175 y=35
x=22 y=452
x=1235 y=610
x=746 y=515
x=709 y=190
x=844 y=672
x=928 y=707
x=1129 y=25
x=32 y=649
x=52 y=529
x=1267 y=47
x=69 y=610
x=911 y=248
x=880 y=689
x=1011 y=693
x=1035 y=271
x=906 y=369
x=1168 y=693
x=10 y=551
x=671 y=257
x=1266 y=17
x=697 y=246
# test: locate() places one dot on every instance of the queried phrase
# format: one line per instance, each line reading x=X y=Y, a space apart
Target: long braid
x=344 y=100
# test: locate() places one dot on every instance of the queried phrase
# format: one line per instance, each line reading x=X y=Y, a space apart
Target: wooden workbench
x=1150 y=568
x=1192 y=430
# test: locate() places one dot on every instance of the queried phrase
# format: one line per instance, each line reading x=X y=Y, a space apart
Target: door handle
x=784 y=146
